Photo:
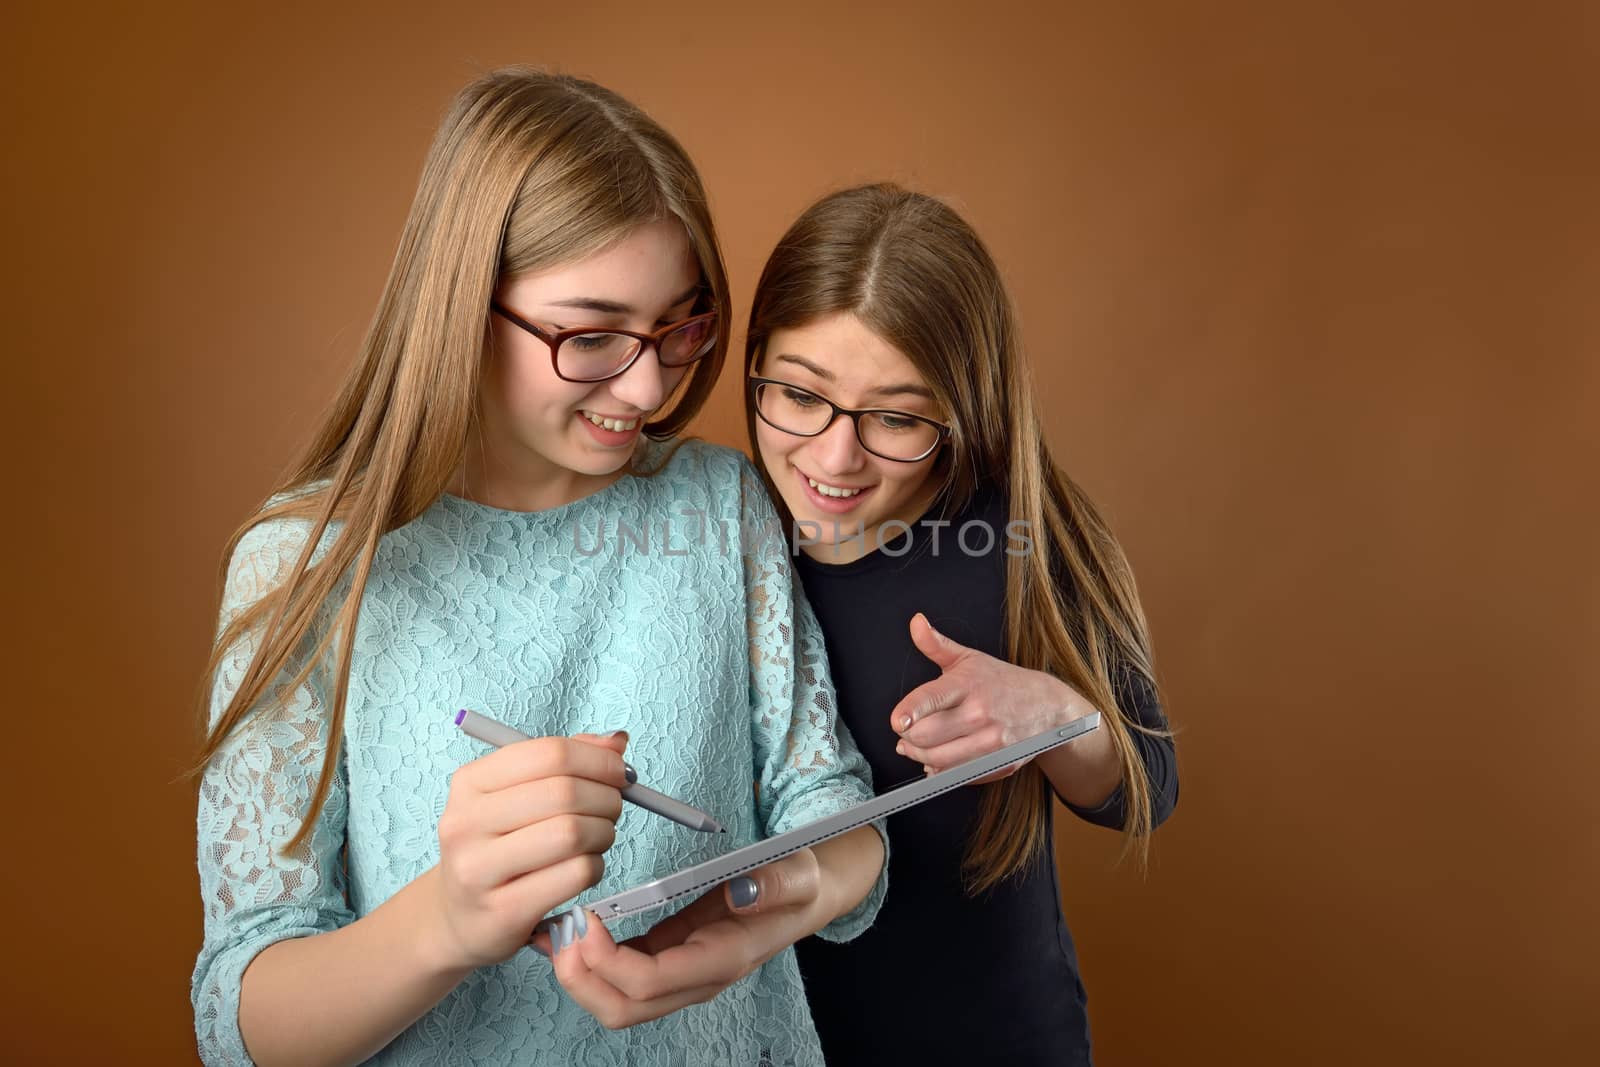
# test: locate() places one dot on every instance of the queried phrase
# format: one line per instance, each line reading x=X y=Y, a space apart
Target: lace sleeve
x=807 y=764
x=252 y=797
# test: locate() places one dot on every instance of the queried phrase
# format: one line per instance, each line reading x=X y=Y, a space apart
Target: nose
x=837 y=450
x=644 y=385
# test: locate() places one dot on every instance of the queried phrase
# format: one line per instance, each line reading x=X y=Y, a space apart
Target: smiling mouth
x=614 y=425
x=837 y=491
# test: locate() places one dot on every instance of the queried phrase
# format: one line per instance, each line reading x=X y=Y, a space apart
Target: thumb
x=791 y=881
x=933 y=644
x=617 y=740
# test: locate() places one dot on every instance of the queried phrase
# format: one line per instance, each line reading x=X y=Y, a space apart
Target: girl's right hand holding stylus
x=523 y=829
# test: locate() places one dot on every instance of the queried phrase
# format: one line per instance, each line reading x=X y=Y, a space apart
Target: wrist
x=1069 y=705
x=849 y=873
x=438 y=951
x=828 y=906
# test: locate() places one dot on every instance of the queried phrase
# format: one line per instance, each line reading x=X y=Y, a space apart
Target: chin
x=598 y=465
x=578 y=456
x=848 y=526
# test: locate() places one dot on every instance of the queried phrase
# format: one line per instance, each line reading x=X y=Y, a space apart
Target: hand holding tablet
x=703 y=876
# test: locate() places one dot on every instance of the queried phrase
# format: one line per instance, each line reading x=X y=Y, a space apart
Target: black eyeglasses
x=897 y=435
x=586 y=354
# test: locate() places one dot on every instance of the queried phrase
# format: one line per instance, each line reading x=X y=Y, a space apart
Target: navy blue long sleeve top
x=942 y=977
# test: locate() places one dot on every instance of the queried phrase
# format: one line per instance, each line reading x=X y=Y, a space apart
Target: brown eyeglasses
x=587 y=354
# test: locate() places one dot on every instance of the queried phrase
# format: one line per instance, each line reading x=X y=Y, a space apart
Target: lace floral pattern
x=664 y=606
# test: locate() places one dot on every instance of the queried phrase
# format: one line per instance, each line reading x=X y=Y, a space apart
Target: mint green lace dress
x=648 y=607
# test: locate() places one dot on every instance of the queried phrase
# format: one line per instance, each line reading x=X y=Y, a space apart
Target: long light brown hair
x=529 y=170
x=912 y=271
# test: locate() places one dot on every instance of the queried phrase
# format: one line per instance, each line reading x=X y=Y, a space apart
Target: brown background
x=1309 y=290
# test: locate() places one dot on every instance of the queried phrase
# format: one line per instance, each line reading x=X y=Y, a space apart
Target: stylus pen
x=499 y=735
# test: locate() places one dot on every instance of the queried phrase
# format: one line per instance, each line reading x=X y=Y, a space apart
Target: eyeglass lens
x=889 y=434
x=599 y=354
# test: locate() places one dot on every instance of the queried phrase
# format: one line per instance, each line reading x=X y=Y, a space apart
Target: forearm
x=1158 y=763
x=339 y=997
x=849 y=866
x=1086 y=771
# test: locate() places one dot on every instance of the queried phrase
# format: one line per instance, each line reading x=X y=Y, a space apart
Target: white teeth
x=831 y=490
x=615 y=425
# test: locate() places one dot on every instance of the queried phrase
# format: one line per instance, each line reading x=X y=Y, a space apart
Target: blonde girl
x=370 y=877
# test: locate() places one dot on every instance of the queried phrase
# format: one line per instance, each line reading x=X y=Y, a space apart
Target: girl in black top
x=970 y=596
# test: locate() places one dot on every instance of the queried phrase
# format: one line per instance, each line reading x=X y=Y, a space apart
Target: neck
x=536 y=486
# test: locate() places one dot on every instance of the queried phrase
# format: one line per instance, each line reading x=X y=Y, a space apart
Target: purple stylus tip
x=462 y=714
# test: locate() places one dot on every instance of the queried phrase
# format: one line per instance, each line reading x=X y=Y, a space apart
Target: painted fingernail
x=628 y=773
x=582 y=922
x=555 y=938
x=905 y=722
x=743 y=892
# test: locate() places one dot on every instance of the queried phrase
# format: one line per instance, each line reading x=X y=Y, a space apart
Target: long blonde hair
x=916 y=274
x=529 y=170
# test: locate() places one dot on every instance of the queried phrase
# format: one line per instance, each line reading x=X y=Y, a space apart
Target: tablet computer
x=693 y=881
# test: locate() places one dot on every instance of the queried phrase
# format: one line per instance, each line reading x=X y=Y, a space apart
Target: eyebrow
x=613 y=307
x=902 y=389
